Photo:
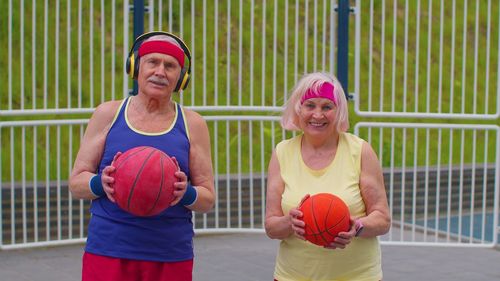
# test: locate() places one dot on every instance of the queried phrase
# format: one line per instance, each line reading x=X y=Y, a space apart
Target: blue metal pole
x=138 y=28
x=343 y=45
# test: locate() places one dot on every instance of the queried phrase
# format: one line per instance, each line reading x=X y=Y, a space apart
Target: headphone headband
x=133 y=58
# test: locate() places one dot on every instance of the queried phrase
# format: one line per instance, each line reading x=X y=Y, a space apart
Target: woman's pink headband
x=326 y=91
x=162 y=47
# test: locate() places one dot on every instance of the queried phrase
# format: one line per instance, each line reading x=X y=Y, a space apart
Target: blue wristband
x=95 y=185
x=190 y=196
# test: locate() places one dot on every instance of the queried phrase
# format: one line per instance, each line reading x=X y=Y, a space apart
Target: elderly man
x=121 y=246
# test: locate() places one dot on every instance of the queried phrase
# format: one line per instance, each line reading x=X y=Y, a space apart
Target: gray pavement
x=250 y=257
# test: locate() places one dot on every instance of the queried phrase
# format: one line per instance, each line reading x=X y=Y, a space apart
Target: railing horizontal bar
x=207 y=231
x=425 y=125
x=201 y=109
x=43 y=244
x=438 y=244
x=429 y=115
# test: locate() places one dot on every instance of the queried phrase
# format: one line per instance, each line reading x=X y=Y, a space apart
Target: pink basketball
x=144 y=180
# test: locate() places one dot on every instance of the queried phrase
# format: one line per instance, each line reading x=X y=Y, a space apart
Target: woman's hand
x=343 y=238
x=296 y=221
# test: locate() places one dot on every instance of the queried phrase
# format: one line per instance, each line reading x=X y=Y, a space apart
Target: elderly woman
x=325 y=158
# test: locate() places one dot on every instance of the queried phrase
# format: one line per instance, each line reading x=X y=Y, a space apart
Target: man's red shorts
x=97 y=268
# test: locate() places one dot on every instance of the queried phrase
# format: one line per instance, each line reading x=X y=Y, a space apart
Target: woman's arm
x=279 y=225
x=378 y=219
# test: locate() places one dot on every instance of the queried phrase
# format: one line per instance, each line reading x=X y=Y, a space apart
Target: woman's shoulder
x=288 y=146
x=289 y=142
x=352 y=139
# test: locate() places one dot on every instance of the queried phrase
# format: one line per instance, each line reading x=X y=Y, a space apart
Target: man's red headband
x=162 y=47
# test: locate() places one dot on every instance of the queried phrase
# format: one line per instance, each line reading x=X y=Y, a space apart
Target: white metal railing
x=63 y=56
x=442 y=181
x=68 y=56
x=37 y=156
x=433 y=59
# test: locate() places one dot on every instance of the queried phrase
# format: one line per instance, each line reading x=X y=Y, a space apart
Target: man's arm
x=91 y=149
x=200 y=163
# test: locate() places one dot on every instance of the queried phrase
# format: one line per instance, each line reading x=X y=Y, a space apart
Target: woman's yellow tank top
x=299 y=260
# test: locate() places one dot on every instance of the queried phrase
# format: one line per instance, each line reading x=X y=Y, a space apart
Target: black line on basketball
x=137 y=178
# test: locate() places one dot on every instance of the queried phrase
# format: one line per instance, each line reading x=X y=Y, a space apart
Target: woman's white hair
x=290 y=117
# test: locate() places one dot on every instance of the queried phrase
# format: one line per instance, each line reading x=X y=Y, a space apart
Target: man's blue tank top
x=166 y=237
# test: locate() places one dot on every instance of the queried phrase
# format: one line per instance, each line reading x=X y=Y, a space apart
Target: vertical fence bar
x=306 y=33
x=461 y=185
x=391 y=177
x=382 y=59
x=103 y=56
x=228 y=179
x=394 y=36
x=238 y=166
x=12 y=189
x=33 y=54
x=23 y=184
x=440 y=79
x=452 y=60
x=205 y=52
x=405 y=67
x=426 y=185
x=47 y=184
x=250 y=172
x=58 y=182
x=216 y=53
x=45 y=52
x=428 y=68
x=343 y=44
x=323 y=36
x=275 y=46
x=193 y=54
x=228 y=54
x=263 y=55
x=415 y=187
x=473 y=189
x=262 y=173
x=70 y=197
x=487 y=71
x=476 y=47
x=216 y=176
x=296 y=42
x=9 y=52
x=21 y=59
x=252 y=22
x=403 y=186
x=315 y=35
x=68 y=54
x=464 y=54
x=80 y=62
x=1 y=188
x=240 y=51
x=35 y=184
x=370 y=57
x=91 y=54
x=438 y=185
x=450 y=176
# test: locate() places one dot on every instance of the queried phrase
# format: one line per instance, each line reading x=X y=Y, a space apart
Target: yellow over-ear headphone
x=133 y=58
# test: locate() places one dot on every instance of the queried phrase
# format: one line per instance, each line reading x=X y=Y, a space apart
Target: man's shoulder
x=107 y=110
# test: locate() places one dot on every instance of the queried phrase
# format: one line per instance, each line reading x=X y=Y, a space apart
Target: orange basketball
x=144 y=180
x=325 y=215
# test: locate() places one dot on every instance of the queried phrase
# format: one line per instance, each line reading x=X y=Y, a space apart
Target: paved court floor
x=250 y=257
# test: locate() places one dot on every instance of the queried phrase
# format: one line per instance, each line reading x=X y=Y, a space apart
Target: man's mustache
x=158 y=80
